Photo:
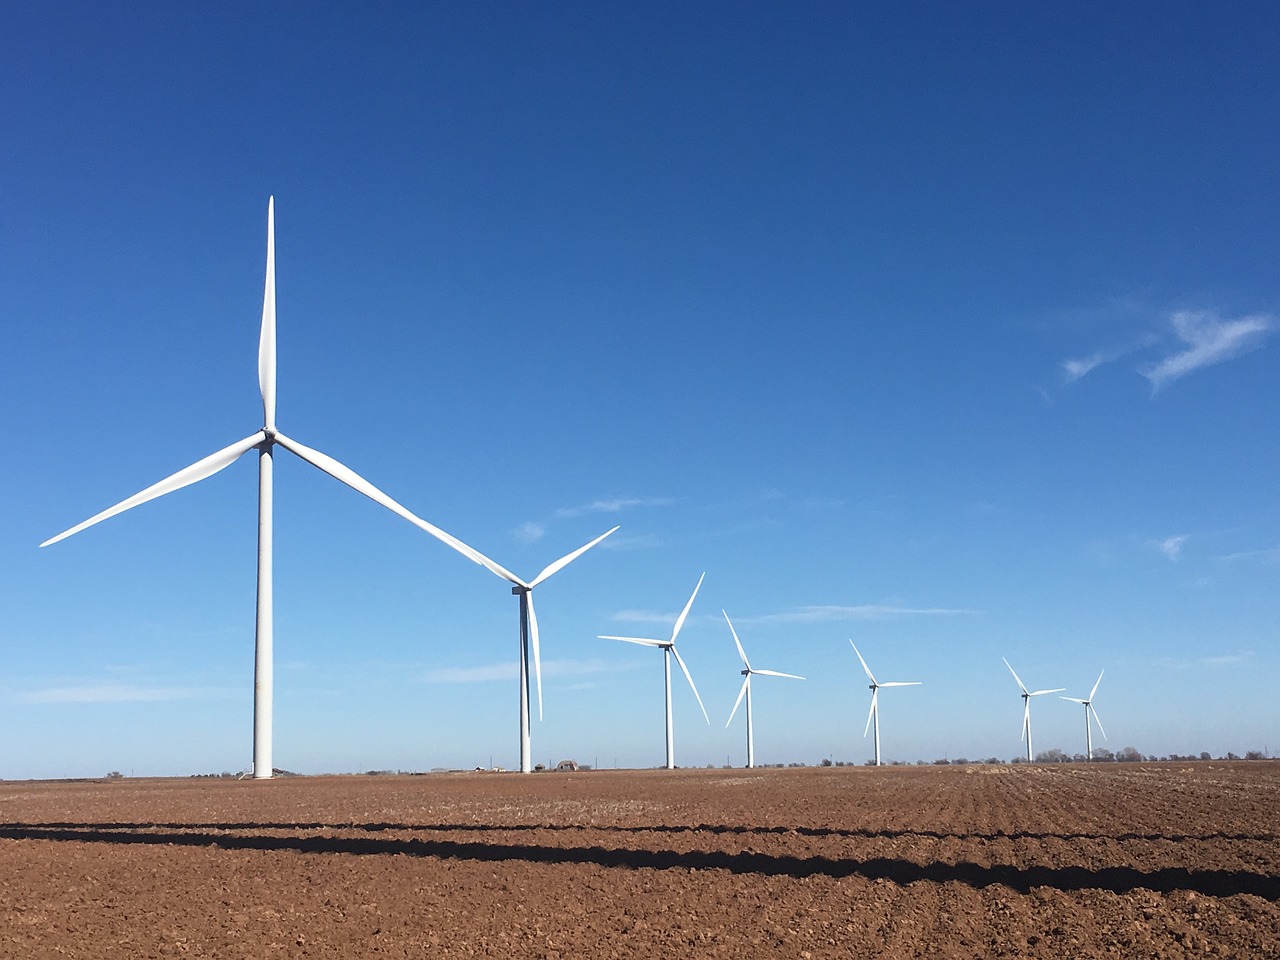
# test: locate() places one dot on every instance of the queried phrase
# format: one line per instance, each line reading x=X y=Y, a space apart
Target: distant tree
x=944 y=762
x=1204 y=755
x=991 y=760
x=115 y=775
x=1255 y=755
x=1102 y=753
x=1231 y=756
x=960 y=760
x=1129 y=755
x=826 y=762
x=1052 y=755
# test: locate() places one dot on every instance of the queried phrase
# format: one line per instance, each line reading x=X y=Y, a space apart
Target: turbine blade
x=745 y=680
x=267 y=339
x=567 y=559
x=537 y=657
x=688 y=676
x=184 y=477
x=1075 y=700
x=775 y=673
x=1097 y=720
x=1039 y=693
x=1095 y=686
x=738 y=643
x=901 y=683
x=640 y=640
x=1026 y=718
x=356 y=482
x=870 y=713
x=685 y=612
x=863 y=662
x=1021 y=685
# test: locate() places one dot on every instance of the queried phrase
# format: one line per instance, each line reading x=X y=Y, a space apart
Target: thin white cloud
x=1075 y=369
x=119 y=693
x=1171 y=547
x=1209 y=339
x=551 y=669
x=530 y=532
x=1227 y=659
x=867 y=611
x=1269 y=555
x=611 y=505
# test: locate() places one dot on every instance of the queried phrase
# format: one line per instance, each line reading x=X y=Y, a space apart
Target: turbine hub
x=270 y=433
x=517 y=590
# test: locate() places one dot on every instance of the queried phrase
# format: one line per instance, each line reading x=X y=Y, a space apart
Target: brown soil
x=1114 y=860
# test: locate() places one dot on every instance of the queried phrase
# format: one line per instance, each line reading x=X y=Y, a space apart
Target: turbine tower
x=264 y=440
x=668 y=648
x=747 y=674
x=874 y=715
x=1089 y=710
x=528 y=622
x=1026 y=707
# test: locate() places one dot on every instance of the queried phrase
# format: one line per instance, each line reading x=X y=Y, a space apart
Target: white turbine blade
x=537 y=657
x=738 y=643
x=184 y=477
x=356 y=482
x=1095 y=686
x=688 y=676
x=902 y=683
x=1040 y=693
x=775 y=673
x=1026 y=718
x=1097 y=720
x=267 y=339
x=640 y=640
x=1021 y=685
x=567 y=559
x=745 y=681
x=685 y=612
x=864 y=664
x=1075 y=700
x=870 y=713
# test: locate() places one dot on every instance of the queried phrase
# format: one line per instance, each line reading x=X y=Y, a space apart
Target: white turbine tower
x=528 y=622
x=1026 y=707
x=874 y=715
x=263 y=441
x=1089 y=709
x=747 y=674
x=668 y=648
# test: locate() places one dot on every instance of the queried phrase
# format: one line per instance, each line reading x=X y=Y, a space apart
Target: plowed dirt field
x=1113 y=860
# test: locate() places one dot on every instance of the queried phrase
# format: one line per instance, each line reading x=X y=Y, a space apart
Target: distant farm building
x=567 y=766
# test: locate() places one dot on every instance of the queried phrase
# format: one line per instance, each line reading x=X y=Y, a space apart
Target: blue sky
x=948 y=329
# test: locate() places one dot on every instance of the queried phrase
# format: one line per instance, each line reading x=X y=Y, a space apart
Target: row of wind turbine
x=264 y=441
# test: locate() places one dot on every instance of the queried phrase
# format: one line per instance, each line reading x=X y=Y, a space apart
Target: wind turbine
x=1026 y=707
x=746 y=690
x=263 y=441
x=874 y=715
x=1088 y=709
x=528 y=622
x=668 y=648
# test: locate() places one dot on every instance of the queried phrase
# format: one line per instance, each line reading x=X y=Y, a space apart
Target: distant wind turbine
x=528 y=624
x=1026 y=707
x=874 y=715
x=747 y=674
x=1089 y=710
x=668 y=648
x=263 y=441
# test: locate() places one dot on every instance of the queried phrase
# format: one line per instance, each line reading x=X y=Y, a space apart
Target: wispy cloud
x=1227 y=659
x=866 y=611
x=533 y=530
x=1208 y=339
x=1074 y=369
x=551 y=669
x=1171 y=547
x=1268 y=555
x=611 y=505
x=120 y=693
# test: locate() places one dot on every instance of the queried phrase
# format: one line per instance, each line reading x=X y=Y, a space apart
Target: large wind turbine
x=747 y=673
x=1088 y=709
x=528 y=622
x=263 y=441
x=668 y=648
x=1026 y=707
x=874 y=715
